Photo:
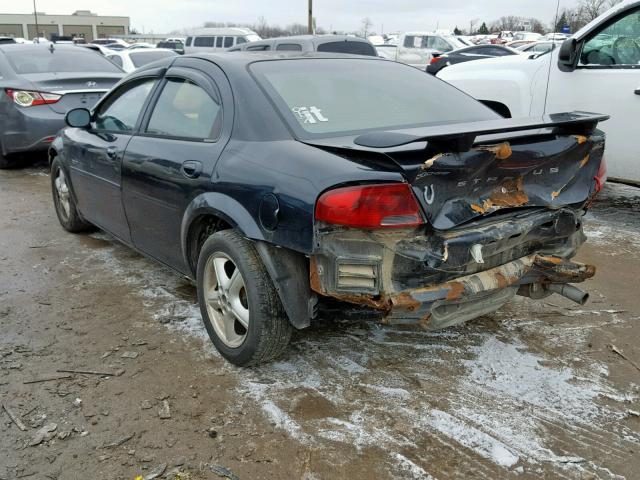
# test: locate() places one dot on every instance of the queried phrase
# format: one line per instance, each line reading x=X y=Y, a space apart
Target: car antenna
x=546 y=92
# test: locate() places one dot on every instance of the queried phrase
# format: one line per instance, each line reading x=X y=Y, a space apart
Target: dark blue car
x=285 y=184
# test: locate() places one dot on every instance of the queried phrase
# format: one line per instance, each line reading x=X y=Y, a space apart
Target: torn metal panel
x=434 y=278
x=454 y=188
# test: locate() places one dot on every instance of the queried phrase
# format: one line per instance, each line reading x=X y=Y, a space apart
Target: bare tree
x=591 y=9
x=366 y=26
x=471 y=24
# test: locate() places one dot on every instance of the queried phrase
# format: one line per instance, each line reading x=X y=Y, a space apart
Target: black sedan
x=283 y=185
x=38 y=84
x=467 y=54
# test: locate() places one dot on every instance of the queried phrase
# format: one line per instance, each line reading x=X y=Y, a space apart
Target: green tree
x=562 y=22
x=483 y=30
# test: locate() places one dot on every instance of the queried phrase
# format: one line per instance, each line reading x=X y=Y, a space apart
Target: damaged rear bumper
x=443 y=278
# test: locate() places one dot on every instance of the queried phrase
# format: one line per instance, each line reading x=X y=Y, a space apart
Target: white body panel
x=520 y=83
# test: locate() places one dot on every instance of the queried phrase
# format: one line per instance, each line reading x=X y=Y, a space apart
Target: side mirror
x=78 y=118
x=567 y=55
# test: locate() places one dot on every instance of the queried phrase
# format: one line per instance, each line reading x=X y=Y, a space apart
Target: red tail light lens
x=601 y=176
x=26 y=98
x=370 y=206
x=434 y=60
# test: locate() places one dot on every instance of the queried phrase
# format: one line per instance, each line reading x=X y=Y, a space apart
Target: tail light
x=370 y=206
x=434 y=60
x=26 y=98
x=601 y=176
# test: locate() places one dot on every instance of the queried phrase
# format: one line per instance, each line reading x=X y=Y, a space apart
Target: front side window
x=203 y=41
x=437 y=43
x=120 y=111
x=240 y=40
x=326 y=97
x=616 y=44
x=185 y=110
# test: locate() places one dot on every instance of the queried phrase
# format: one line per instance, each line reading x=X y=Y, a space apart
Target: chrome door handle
x=637 y=91
x=112 y=152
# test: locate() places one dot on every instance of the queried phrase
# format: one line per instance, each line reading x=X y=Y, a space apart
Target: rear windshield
x=72 y=59
x=142 y=58
x=355 y=48
x=325 y=97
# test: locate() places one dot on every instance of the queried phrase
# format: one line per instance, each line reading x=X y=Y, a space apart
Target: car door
x=607 y=80
x=171 y=160
x=97 y=152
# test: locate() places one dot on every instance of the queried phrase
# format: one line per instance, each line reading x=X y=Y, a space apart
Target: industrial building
x=81 y=23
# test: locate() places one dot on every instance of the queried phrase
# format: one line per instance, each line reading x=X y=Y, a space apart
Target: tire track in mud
x=503 y=396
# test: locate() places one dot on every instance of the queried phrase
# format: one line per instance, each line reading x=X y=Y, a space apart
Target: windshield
x=325 y=97
x=72 y=59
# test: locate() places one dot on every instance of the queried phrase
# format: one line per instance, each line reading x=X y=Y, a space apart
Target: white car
x=595 y=70
x=129 y=60
x=417 y=48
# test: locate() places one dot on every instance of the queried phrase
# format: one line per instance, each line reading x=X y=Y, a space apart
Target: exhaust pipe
x=569 y=291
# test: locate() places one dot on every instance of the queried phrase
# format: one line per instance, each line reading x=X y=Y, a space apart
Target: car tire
x=247 y=324
x=6 y=162
x=64 y=202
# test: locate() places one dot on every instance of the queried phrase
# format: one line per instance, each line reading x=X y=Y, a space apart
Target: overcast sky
x=163 y=16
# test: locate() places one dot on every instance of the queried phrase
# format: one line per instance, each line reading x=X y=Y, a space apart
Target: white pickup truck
x=595 y=70
x=416 y=48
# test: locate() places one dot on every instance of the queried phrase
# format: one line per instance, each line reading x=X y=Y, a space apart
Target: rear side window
x=120 y=111
x=355 y=48
x=290 y=47
x=115 y=59
x=203 y=42
x=228 y=42
x=185 y=110
x=219 y=42
x=142 y=58
x=189 y=39
x=70 y=59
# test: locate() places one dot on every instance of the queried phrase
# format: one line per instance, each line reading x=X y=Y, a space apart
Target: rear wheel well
x=499 y=108
x=201 y=228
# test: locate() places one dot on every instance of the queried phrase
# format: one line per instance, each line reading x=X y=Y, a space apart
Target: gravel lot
x=532 y=391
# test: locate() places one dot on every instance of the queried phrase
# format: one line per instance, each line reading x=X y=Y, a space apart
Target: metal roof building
x=81 y=23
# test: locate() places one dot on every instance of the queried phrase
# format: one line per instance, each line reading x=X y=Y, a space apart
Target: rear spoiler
x=459 y=137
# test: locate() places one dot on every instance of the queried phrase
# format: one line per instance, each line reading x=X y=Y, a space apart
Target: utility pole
x=309 y=20
x=35 y=14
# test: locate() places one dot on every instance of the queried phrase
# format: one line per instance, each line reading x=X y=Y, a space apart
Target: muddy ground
x=532 y=391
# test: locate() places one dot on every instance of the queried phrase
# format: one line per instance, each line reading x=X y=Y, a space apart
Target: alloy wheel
x=226 y=299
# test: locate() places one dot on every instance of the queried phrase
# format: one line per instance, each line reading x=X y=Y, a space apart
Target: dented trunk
x=502 y=218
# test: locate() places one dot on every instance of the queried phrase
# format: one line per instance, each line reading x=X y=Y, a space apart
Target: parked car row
x=282 y=184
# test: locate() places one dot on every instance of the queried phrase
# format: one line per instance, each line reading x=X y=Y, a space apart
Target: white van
x=218 y=39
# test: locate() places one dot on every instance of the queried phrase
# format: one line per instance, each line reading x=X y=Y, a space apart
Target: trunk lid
x=77 y=89
x=467 y=171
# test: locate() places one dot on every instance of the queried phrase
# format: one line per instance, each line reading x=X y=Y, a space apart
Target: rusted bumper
x=434 y=280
